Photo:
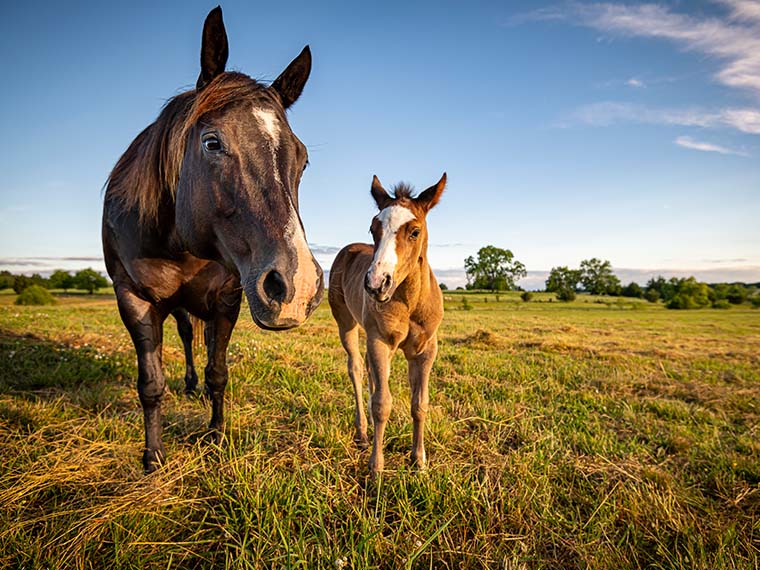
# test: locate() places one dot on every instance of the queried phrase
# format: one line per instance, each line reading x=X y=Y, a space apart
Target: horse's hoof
x=362 y=443
x=153 y=459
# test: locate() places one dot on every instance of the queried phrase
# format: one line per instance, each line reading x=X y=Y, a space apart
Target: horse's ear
x=214 y=48
x=290 y=83
x=430 y=197
x=379 y=194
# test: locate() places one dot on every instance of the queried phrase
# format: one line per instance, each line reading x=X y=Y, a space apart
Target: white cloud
x=732 y=40
x=735 y=40
x=608 y=113
x=633 y=82
x=688 y=142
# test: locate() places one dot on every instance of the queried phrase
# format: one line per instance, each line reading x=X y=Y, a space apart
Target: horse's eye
x=305 y=166
x=211 y=143
x=415 y=233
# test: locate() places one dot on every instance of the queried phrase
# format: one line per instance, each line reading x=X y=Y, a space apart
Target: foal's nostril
x=386 y=282
x=274 y=286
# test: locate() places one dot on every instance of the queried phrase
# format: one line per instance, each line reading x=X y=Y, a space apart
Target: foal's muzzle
x=379 y=294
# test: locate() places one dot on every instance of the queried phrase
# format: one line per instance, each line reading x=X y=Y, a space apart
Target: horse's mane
x=148 y=171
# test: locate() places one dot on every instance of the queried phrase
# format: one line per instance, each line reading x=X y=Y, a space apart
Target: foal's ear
x=290 y=83
x=430 y=197
x=214 y=48
x=379 y=194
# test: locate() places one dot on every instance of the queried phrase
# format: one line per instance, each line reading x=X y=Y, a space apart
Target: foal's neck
x=416 y=284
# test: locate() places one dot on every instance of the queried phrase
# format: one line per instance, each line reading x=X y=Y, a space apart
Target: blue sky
x=569 y=130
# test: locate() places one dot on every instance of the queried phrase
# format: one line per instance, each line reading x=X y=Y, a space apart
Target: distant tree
x=633 y=289
x=443 y=286
x=35 y=295
x=689 y=294
x=563 y=282
x=6 y=280
x=597 y=277
x=526 y=296
x=718 y=292
x=38 y=279
x=664 y=288
x=89 y=280
x=652 y=295
x=494 y=269
x=61 y=279
x=21 y=282
x=565 y=295
x=736 y=294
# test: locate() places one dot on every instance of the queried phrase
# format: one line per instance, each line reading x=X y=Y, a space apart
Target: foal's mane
x=148 y=171
x=403 y=190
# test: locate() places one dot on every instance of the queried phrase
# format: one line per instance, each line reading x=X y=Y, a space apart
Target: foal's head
x=400 y=235
x=237 y=189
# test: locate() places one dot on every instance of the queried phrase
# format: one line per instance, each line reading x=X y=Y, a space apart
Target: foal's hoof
x=153 y=459
x=362 y=442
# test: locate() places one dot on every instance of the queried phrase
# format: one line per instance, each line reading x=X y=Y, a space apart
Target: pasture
x=580 y=435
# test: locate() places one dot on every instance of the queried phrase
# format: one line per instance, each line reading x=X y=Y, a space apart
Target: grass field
x=583 y=435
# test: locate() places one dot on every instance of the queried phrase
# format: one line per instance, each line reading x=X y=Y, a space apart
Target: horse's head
x=400 y=235
x=237 y=193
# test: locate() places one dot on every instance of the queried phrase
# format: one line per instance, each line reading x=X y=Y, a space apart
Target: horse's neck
x=416 y=286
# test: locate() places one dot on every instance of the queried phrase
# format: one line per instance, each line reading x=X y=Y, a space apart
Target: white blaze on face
x=384 y=263
x=306 y=276
x=270 y=125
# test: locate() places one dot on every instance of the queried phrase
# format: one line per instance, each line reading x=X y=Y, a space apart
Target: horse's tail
x=199 y=335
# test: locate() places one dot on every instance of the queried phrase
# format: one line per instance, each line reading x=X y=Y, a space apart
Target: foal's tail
x=199 y=339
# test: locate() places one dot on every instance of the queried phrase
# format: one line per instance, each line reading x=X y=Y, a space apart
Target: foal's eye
x=415 y=233
x=211 y=143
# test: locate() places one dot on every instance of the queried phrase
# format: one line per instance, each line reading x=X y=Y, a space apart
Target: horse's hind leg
x=146 y=326
x=218 y=333
x=349 y=338
x=185 y=330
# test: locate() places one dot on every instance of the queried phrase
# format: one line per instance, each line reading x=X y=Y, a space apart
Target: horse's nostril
x=386 y=281
x=274 y=286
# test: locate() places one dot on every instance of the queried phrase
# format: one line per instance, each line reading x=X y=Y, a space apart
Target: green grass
x=593 y=434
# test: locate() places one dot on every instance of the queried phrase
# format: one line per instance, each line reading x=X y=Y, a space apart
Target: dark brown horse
x=202 y=206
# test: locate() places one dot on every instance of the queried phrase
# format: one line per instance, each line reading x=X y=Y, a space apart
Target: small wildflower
x=341 y=563
x=417 y=543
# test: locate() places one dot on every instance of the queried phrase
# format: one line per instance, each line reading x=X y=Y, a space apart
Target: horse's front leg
x=419 y=376
x=218 y=334
x=145 y=325
x=379 y=360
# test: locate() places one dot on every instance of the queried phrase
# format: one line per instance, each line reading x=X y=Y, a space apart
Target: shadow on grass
x=38 y=369
x=29 y=363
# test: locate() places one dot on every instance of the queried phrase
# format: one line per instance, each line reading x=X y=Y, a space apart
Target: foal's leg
x=145 y=326
x=185 y=330
x=349 y=337
x=419 y=375
x=379 y=358
x=218 y=332
x=371 y=383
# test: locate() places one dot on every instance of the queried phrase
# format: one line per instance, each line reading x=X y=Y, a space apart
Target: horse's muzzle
x=279 y=301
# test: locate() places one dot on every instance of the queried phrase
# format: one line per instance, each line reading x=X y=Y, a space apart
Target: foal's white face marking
x=268 y=122
x=392 y=219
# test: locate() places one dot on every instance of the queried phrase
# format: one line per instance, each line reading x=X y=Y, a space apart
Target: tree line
x=85 y=280
x=496 y=269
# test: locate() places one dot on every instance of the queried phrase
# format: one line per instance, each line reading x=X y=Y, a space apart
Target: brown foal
x=390 y=290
